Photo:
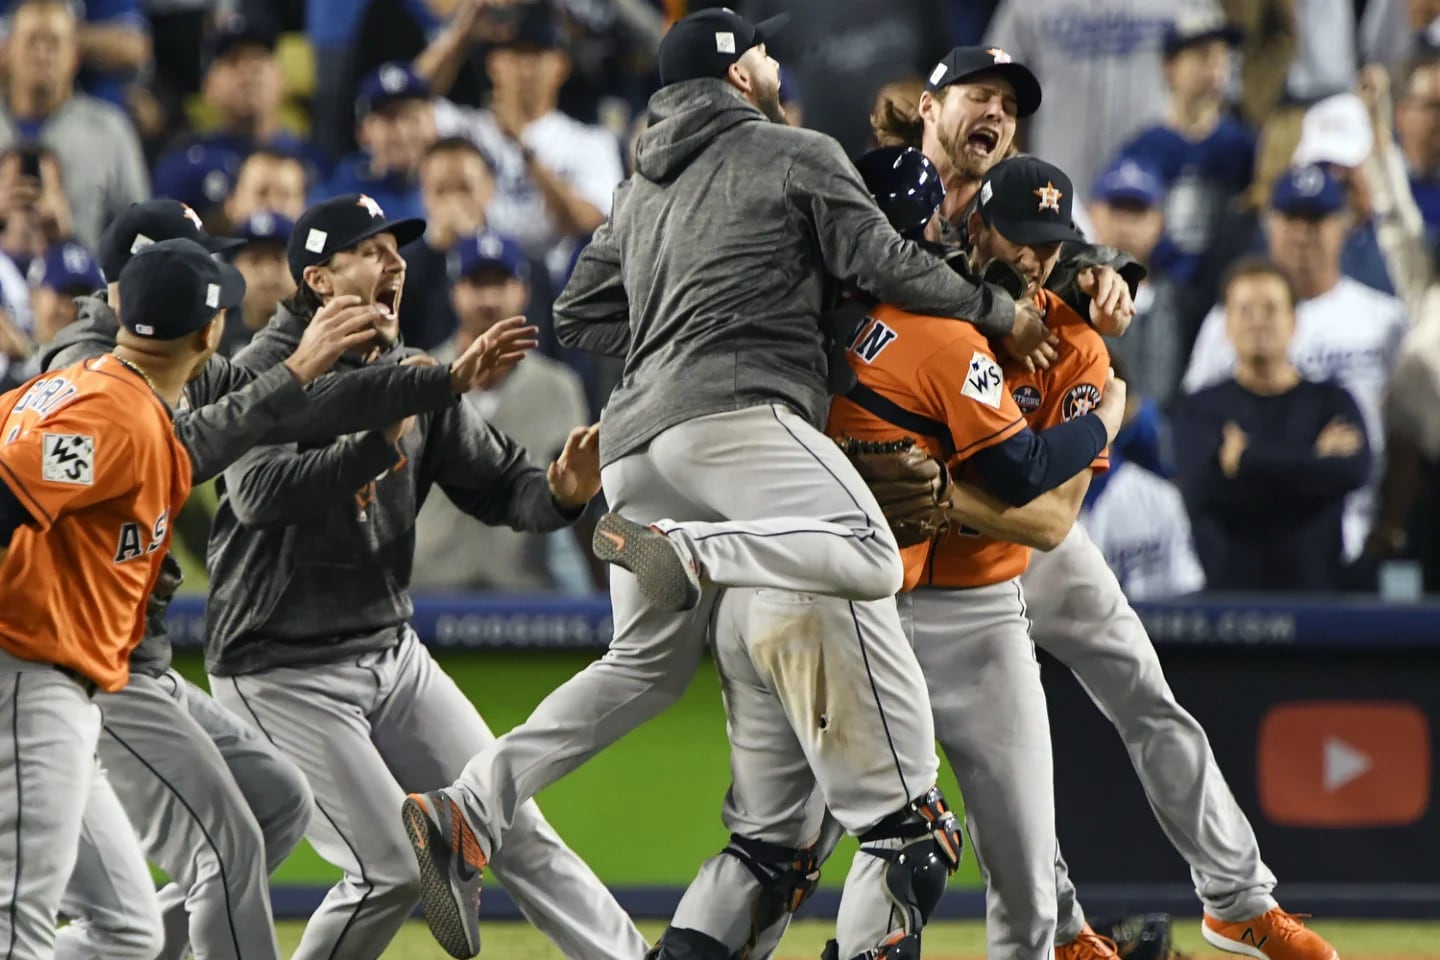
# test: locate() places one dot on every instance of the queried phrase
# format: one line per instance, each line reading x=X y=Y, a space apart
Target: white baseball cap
x=1336 y=130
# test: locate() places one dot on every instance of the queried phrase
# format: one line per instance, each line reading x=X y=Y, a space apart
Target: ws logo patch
x=68 y=458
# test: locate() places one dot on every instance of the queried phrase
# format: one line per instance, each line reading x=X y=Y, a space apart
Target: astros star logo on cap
x=999 y=55
x=371 y=207
x=1049 y=197
x=192 y=216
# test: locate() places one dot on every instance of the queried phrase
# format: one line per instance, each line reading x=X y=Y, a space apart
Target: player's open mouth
x=983 y=141
x=387 y=301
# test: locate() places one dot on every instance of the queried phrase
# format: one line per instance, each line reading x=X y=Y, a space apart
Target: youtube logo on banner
x=1344 y=764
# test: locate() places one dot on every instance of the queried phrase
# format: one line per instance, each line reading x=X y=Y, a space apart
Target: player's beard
x=770 y=105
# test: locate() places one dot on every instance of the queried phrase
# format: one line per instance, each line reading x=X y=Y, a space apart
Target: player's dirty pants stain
x=1081 y=617
x=820 y=692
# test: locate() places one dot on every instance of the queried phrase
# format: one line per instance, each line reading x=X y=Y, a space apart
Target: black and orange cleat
x=451 y=864
x=666 y=579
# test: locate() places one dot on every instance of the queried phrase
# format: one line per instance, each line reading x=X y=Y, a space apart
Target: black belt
x=86 y=684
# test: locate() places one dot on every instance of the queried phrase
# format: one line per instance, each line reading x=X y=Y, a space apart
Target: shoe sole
x=664 y=582
x=445 y=907
x=1230 y=946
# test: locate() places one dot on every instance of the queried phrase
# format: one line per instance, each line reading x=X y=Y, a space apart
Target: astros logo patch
x=1082 y=398
x=1049 y=197
x=1027 y=398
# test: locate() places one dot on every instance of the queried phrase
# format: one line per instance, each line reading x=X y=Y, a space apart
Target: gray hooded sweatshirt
x=230 y=408
x=720 y=255
x=311 y=548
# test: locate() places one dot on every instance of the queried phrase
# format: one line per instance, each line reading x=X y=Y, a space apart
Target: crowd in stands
x=1274 y=164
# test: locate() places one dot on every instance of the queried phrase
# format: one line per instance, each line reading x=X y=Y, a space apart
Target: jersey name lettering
x=45 y=396
x=871 y=340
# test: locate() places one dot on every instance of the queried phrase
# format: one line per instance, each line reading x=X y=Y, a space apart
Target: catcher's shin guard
x=677 y=943
x=900 y=946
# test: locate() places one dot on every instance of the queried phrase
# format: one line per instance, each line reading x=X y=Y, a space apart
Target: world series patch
x=69 y=458
x=1027 y=398
x=1080 y=400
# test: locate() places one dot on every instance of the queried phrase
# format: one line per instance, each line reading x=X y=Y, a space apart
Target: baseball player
x=964 y=122
x=307 y=628
x=92 y=476
x=216 y=805
x=939 y=381
x=712 y=436
x=1077 y=610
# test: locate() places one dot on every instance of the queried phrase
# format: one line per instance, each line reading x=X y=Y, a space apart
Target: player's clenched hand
x=574 y=476
x=1111 y=409
x=1111 y=308
x=492 y=355
x=1030 y=342
x=345 y=323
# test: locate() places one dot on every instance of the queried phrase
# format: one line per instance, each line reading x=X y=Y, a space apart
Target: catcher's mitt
x=912 y=487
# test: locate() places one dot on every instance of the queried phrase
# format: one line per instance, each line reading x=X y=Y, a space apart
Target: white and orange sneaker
x=1276 y=935
x=1089 y=945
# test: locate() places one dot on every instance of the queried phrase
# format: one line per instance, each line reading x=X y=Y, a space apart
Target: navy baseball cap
x=201 y=174
x=391 y=83
x=1129 y=181
x=265 y=227
x=906 y=186
x=705 y=43
x=1028 y=201
x=488 y=249
x=174 y=288
x=963 y=64
x=150 y=222
x=1199 y=27
x=67 y=267
x=239 y=31
x=1309 y=191
x=339 y=223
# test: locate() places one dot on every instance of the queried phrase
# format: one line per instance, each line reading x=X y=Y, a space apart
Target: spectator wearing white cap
x=538 y=403
x=1127 y=211
x=1204 y=154
x=1345 y=331
x=1336 y=133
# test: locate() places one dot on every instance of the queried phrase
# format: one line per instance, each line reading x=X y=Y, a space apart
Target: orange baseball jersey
x=1070 y=388
x=91 y=453
x=931 y=379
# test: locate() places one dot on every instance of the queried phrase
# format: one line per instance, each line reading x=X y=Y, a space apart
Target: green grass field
x=946 y=941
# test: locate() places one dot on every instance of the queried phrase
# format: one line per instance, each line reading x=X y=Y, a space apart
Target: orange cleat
x=1088 y=945
x=1276 y=935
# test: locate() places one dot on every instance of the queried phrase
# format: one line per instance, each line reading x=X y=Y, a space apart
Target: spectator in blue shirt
x=1204 y=155
x=114 y=44
x=1267 y=458
x=244 y=86
x=395 y=125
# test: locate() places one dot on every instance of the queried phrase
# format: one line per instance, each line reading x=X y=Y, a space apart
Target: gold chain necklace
x=138 y=372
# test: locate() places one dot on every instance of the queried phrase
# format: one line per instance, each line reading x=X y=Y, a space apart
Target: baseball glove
x=1142 y=937
x=912 y=487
